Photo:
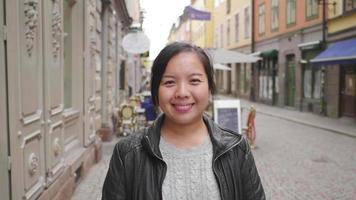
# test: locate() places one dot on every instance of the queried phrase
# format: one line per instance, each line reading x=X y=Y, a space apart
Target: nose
x=182 y=91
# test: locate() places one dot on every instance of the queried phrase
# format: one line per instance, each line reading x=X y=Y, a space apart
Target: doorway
x=348 y=91
x=290 y=80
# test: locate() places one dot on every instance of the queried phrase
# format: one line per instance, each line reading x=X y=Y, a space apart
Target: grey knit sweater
x=189 y=172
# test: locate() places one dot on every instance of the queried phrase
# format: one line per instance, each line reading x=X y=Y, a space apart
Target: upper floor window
x=228 y=6
x=311 y=8
x=291 y=12
x=237 y=29
x=349 y=5
x=261 y=19
x=221 y=35
x=247 y=22
x=275 y=15
x=228 y=32
x=217 y=2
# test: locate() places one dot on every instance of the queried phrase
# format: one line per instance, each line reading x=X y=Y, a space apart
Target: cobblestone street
x=295 y=161
x=301 y=162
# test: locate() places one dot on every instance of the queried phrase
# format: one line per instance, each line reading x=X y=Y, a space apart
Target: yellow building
x=201 y=33
x=232 y=30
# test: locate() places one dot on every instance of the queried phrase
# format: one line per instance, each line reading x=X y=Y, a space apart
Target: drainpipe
x=253 y=82
x=323 y=46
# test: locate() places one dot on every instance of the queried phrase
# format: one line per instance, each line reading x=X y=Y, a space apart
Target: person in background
x=184 y=154
x=251 y=128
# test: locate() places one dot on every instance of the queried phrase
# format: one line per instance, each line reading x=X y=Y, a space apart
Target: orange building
x=287 y=34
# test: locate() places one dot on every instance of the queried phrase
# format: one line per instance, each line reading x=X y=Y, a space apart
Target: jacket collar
x=222 y=140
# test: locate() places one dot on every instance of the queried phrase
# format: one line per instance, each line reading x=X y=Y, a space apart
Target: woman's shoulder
x=129 y=143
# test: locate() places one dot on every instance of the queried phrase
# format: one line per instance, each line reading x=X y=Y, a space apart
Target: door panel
x=90 y=61
x=53 y=87
x=25 y=86
x=348 y=88
x=4 y=175
x=290 y=93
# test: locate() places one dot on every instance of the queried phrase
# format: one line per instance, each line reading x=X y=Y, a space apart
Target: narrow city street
x=295 y=160
x=301 y=162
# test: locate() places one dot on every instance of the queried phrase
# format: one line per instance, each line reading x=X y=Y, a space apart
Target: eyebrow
x=172 y=76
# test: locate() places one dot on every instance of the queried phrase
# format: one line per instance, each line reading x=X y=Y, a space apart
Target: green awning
x=270 y=53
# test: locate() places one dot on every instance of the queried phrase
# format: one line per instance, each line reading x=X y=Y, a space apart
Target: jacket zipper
x=164 y=169
x=214 y=169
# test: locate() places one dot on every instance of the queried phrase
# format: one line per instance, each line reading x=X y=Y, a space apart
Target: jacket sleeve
x=251 y=182
x=114 y=184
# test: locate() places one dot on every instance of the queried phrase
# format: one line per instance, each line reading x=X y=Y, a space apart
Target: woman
x=184 y=154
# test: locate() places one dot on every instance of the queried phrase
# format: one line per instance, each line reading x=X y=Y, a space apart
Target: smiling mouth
x=183 y=107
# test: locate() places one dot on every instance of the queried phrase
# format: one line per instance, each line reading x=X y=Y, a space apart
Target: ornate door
x=25 y=97
x=53 y=87
x=4 y=173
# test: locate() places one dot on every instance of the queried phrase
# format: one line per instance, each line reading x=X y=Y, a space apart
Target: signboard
x=136 y=43
x=227 y=113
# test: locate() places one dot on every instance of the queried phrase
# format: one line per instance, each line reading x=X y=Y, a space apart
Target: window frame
x=353 y=6
x=291 y=23
x=312 y=15
x=247 y=22
x=237 y=27
x=261 y=14
x=274 y=8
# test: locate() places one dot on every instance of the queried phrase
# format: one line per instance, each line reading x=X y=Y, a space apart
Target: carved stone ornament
x=33 y=164
x=56 y=147
x=31 y=23
x=56 y=28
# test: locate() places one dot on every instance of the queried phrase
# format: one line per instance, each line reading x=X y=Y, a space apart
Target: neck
x=184 y=136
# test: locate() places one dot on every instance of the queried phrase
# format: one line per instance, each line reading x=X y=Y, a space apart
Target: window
x=228 y=6
x=311 y=9
x=274 y=15
x=228 y=32
x=291 y=8
x=237 y=27
x=247 y=22
x=221 y=35
x=349 y=5
x=217 y=3
x=261 y=19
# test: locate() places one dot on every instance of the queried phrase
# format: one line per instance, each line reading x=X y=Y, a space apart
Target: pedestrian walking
x=251 y=128
x=184 y=154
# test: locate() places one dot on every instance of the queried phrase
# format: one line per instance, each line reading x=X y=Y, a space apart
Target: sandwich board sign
x=227 y=113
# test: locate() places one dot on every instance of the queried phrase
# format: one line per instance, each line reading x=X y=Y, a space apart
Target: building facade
x=60 y=83
x=287 y=35
x=340 y=70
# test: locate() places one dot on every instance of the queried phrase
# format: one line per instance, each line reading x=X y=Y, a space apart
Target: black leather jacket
x=137 y=169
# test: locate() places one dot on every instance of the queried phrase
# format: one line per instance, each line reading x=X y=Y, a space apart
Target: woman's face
x=184 y=92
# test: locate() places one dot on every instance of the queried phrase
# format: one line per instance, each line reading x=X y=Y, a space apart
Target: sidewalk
x=344 y=126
